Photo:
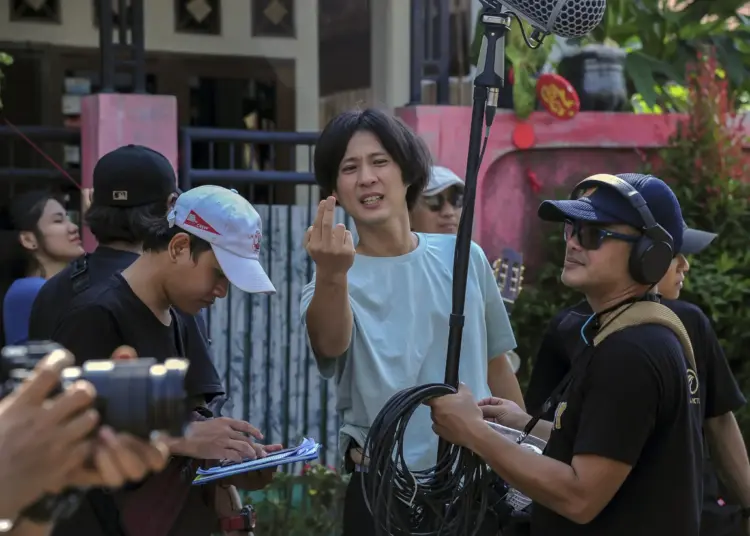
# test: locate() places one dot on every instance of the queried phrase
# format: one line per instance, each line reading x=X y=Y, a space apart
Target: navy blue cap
x=694 y=240
x=605 y=205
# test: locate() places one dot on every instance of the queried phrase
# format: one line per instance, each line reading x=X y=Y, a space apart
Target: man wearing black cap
x=720 y=394
x=624 y=445
x=132 y=186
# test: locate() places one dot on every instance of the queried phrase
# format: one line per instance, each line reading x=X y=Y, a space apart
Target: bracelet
x=745 y=511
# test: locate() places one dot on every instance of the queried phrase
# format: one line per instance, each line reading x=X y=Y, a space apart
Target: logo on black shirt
x=693 y=386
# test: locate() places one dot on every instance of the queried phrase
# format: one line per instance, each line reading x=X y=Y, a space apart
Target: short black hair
x=124 y=224
x=160 y=234
x=407 y=149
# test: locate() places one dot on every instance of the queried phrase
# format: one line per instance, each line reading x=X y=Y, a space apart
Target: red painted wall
x=564 y=153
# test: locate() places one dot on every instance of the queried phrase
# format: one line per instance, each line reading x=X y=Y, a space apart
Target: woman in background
x=39 y=241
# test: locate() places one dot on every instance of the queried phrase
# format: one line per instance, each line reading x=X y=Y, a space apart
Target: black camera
x=138 y=396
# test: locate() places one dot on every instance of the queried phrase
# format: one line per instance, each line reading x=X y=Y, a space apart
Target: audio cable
x=453 y=496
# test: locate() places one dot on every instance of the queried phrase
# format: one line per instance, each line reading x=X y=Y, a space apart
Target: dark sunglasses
x=435 y=202
x=591 y=236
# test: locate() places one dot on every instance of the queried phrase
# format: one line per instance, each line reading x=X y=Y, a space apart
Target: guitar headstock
x=508 y=271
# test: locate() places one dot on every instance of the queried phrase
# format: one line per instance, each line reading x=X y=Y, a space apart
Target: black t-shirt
x=56 y=297
x=718 y=389
x=110 y=315
x=106 y=317
x=629 y=401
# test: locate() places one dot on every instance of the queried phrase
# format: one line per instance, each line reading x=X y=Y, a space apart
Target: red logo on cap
x=257 y=238
x=193 y=220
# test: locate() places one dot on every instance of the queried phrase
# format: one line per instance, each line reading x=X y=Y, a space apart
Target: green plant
x=662 y=38
x=308 y=504
x=704 y=165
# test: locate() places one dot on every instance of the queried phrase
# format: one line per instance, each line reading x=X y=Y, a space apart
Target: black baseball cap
x=132 y=176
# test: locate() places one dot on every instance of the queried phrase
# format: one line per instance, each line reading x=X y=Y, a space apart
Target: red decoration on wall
x=534 y=183
x=523 y=136
x=558 y=96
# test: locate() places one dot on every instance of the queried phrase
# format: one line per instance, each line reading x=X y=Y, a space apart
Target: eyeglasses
x=435 y=202
x=591 y=236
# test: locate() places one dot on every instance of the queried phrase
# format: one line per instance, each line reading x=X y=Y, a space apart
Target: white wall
x=78 y=30
x=390 y=22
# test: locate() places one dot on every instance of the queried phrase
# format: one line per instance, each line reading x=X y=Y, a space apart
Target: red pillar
x=111 y=120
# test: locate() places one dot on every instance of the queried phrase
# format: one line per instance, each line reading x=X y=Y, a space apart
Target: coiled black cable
x=453 y=493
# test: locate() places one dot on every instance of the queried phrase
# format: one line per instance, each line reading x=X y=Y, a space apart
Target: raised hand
x=331 y=247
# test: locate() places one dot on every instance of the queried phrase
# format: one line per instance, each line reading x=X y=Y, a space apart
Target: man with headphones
x=726 y=502
x=624 y=445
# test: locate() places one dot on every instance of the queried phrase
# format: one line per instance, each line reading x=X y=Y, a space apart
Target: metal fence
x=258 y=342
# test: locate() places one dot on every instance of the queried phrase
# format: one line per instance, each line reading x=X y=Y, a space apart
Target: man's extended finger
x=242 y=426
x=348 y=240
x=44 y=379
x=318 y=223
x=327 y=225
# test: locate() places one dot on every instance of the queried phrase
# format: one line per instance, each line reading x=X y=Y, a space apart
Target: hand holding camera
x=65 y=427
x=42 y=441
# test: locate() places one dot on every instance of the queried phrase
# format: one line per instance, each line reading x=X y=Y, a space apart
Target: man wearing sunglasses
x=438 y=209
x=624 y=445
x=720 y=394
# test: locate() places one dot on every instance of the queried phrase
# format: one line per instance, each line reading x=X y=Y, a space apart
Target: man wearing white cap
x=211 y=238
x=438 y=208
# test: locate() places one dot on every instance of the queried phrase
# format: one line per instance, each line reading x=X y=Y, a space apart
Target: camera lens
x=138 y=396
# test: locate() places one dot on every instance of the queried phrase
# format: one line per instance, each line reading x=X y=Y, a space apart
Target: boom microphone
x=564 y=18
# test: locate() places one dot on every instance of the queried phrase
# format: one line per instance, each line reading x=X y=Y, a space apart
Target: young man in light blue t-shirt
x=377 y=313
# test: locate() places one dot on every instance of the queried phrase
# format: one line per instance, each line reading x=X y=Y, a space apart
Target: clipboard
x=306 y=451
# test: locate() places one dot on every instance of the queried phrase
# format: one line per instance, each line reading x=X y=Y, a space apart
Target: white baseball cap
x=441 y=178
x=231 y=225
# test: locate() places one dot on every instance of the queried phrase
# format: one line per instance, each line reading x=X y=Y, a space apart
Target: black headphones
x=653 y=252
